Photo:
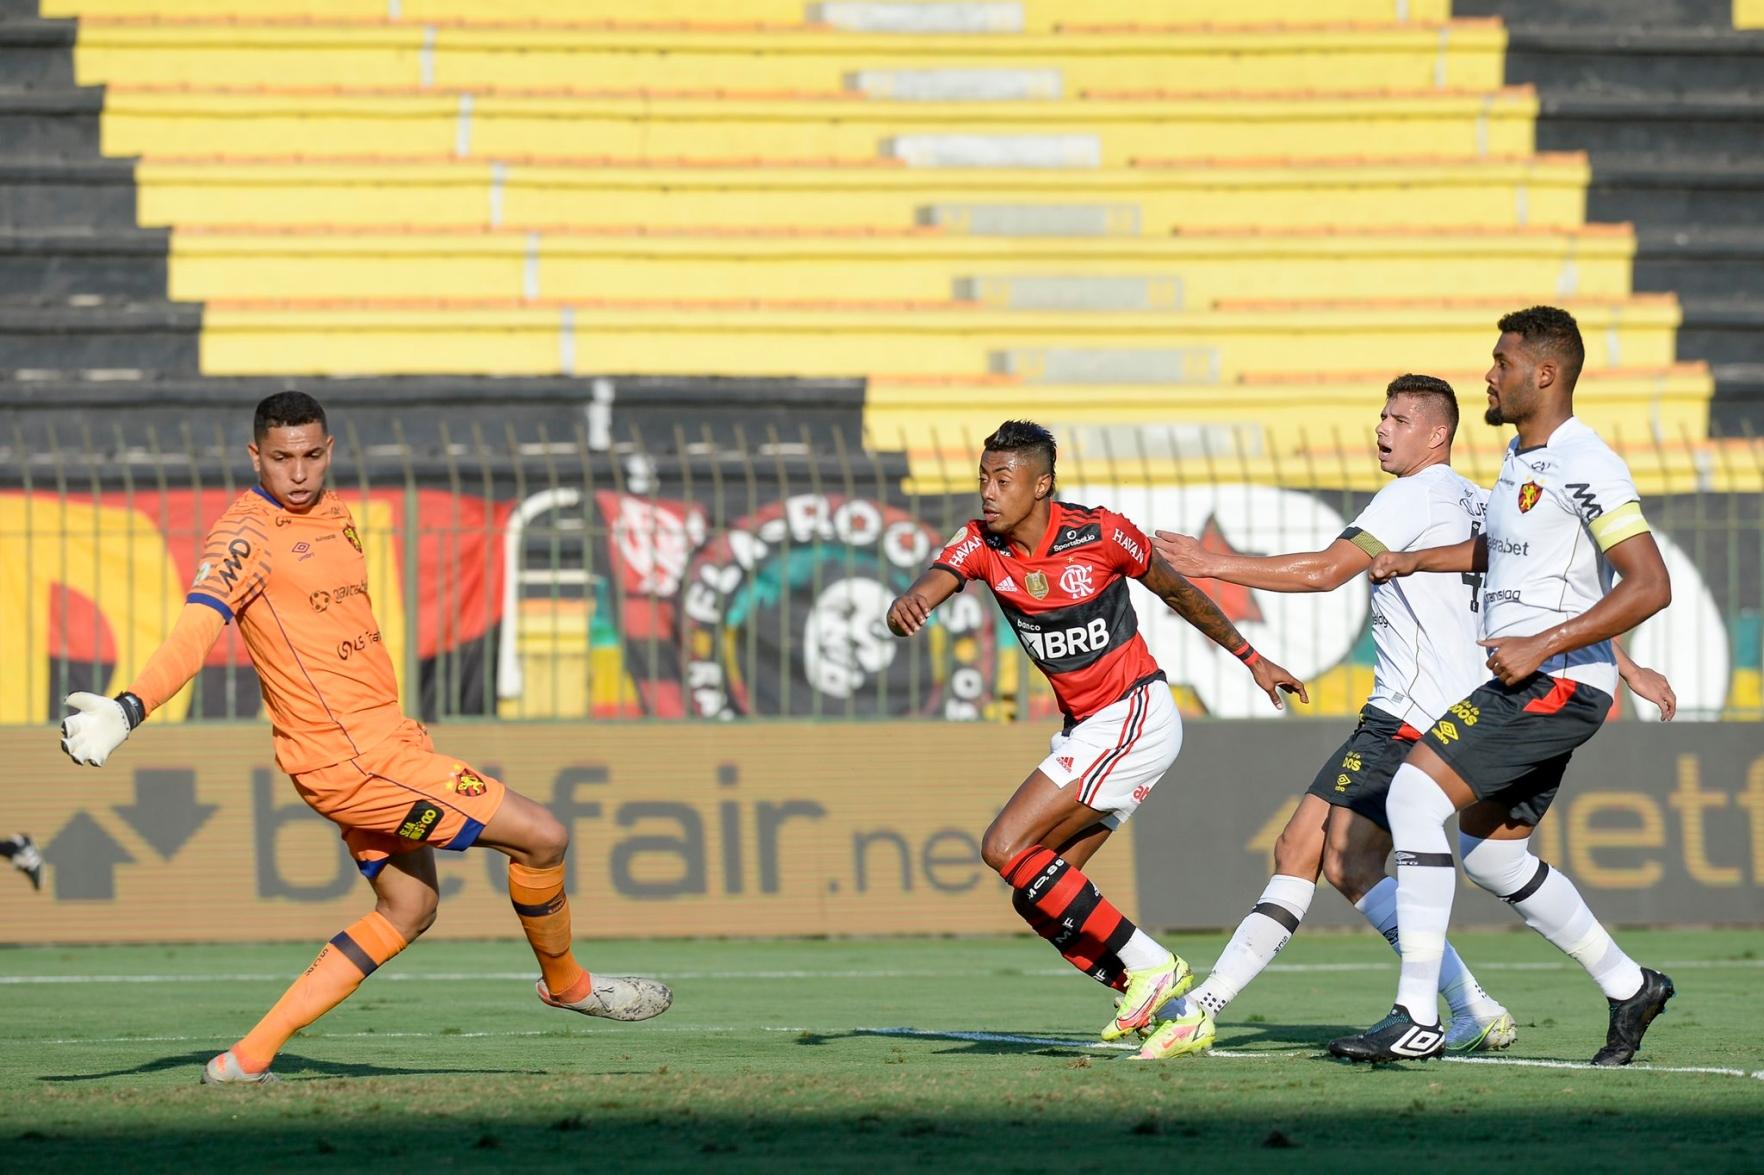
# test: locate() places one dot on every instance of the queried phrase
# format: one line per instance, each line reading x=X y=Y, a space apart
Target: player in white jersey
x=1424 y=631
x=1562 y=517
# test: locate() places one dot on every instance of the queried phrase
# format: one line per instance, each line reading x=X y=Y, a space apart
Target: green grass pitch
x=772 y=1057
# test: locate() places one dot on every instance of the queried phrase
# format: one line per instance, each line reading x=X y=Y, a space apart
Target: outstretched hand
x=1652 y=685
x=1514 y=658
x=1274 y=680
x=1185 y=555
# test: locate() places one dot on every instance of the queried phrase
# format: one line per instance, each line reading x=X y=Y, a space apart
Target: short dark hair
x=287 y=410
x=1550 y=331
x=1437 y=393
x=1024 y=436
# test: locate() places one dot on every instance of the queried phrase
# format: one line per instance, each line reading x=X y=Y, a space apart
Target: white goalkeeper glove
x=100 y=726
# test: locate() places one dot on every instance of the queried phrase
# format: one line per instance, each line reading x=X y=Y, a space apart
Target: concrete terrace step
x=36 y=53
x=1726 y=125
x=1124 y=127
x=818 y=337
x=819 y=194
x=158 y=335
x=1698 y=262
x=48 y=121
x=1634 y=59
x=1180 y=271
x=82 y=266
x=1656 y=189
x=54 y=193
x=1200 y=59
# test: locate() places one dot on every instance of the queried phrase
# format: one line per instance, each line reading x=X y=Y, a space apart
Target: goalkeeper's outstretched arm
x=99 y=725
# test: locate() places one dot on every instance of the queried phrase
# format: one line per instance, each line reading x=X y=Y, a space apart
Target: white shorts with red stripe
x=1117 y=755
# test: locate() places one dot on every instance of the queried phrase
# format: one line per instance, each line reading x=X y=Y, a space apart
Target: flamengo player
x=1059 y=573
x=285 y=562
x=1497 y=757
x=1424 y=631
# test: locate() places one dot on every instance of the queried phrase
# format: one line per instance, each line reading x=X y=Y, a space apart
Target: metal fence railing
x=575 y=567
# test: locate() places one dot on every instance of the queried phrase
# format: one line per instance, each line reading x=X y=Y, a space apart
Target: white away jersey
x=1553 y=511
x=1425 y=626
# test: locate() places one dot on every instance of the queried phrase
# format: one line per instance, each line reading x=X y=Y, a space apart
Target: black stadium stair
x=1667 y=99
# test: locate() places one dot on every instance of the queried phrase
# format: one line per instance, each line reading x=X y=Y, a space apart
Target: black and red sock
x=1065 y=907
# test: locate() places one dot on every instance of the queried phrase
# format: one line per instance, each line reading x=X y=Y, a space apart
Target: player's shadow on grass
x=289 y=1065
x=1044 y=1044
x=1304 y=1036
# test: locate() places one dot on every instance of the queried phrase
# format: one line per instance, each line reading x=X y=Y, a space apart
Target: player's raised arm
x=1300 y=571
x=1469 y=555
x=913 y=607
x=1645 y=589
x=1196 y=607
x=99 y=724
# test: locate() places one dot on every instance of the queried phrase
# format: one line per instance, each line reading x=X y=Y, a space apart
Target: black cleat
x=26 y=857
x=1630 y=1019
x=1395 y=1038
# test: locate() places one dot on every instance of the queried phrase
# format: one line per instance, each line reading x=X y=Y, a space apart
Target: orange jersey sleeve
x=179 y=658
x=235 y=561
x=328 y=683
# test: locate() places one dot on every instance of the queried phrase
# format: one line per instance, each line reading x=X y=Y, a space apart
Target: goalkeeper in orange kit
x=285 y=563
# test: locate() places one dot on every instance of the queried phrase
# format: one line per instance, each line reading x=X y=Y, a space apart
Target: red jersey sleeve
x=1126 y=544
x=966 y=555
x=235 y=565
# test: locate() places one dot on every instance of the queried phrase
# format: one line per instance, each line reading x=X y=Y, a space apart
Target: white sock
x=1142 y=951
x=1550 y=905
x=1426 y=880
x=1456 y=984
x=1259 y=937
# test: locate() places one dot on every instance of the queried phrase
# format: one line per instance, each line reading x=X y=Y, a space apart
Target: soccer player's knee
x=411 y=914
x=1415 y=799
x=550 y=841
x=1352 y=874
x=1502 y=867
x=1295 y=856
x=998 y=850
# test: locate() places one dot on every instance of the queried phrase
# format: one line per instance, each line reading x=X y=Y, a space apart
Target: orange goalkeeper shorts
x=400 y=795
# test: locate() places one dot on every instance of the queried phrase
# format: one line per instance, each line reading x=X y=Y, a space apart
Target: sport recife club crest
x=1529 y=493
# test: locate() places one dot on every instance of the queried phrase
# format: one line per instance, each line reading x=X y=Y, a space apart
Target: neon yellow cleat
x=1148 y=989
x=1468 y=1034
x=1191 y=1031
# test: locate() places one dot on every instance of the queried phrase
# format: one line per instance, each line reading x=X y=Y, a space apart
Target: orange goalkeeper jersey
x=297 y=586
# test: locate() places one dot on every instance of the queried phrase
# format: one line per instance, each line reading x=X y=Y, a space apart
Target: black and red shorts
x=1511 y=743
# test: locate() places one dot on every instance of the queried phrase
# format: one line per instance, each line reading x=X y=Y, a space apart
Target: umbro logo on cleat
x=1418 y=1042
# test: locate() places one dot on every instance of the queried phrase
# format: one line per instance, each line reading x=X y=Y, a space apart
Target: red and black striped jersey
x=1068 y=601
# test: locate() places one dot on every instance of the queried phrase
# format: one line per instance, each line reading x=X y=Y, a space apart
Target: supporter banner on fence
x=799 y=828
x=679 y=830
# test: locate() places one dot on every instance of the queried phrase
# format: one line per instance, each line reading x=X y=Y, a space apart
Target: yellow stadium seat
x=940 y=421
x=1542 y=190
x=1183 y=271
x=1063 y=135
x=1465 y=55
x=1035 y=14
x=820 y=339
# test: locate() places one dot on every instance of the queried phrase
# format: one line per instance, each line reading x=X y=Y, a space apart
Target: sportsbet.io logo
x=805 y=583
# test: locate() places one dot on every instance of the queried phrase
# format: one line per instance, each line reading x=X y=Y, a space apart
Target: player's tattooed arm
x=913 y=607
x=1469 y=555
x=1196 y=607
x=1192 y=604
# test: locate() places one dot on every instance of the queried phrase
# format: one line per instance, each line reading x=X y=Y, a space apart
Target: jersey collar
x=266 y=496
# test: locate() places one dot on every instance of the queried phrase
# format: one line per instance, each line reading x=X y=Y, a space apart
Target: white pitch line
x=1007 y=1038
x=1021 y=973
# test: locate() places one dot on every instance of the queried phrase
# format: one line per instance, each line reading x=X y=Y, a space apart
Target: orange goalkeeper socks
x=544 y=911
x=345 y=961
